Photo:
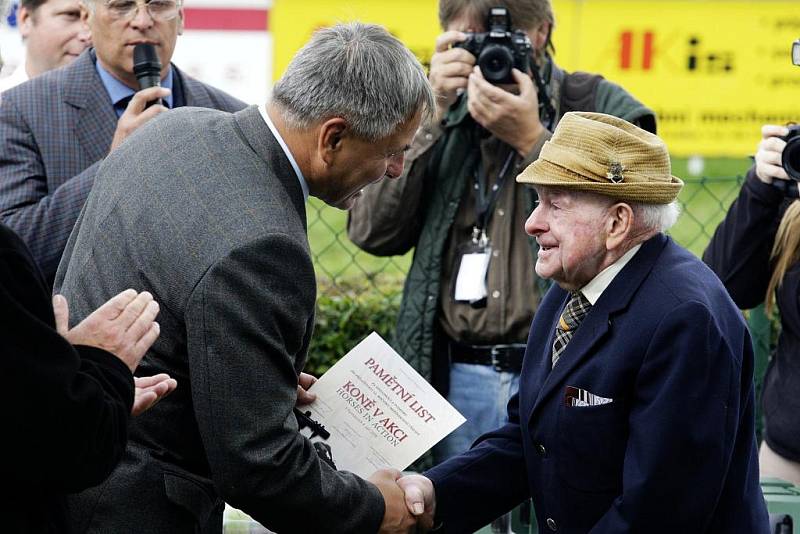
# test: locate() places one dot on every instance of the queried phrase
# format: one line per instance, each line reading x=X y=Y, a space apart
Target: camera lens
x=496 y=63
x=791 y=158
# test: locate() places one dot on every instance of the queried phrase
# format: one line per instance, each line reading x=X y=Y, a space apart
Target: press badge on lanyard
x=473 y=257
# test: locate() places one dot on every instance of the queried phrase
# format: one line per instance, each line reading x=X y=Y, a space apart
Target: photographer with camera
x=471 y=291
x=755 y=252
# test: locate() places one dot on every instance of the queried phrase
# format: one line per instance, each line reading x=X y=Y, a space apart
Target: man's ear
x=25 y=21
x=619 y=225
x=86 y=14
x=181 y=20
x=330 y=138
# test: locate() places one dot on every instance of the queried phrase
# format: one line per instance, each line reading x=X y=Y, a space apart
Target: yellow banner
x=714 y=70
x=415 y=22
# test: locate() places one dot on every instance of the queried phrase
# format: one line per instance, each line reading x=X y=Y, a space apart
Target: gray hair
x=358 y=72
x=659 y=217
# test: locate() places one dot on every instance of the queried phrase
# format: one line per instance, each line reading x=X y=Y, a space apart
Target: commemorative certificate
x=377 y=411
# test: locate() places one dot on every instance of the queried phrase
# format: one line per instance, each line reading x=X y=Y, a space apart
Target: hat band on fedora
x=595 y=171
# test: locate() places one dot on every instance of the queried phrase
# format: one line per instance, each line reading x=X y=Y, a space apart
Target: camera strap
x=486 y=200
x=474 y=255
x=547 y=113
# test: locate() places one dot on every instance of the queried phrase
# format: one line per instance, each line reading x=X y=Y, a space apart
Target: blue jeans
x=481 y=394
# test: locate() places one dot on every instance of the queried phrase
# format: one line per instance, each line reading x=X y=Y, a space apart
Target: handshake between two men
x=410 y=501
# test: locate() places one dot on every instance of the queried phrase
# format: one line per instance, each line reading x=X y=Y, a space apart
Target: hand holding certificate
x=377 y=411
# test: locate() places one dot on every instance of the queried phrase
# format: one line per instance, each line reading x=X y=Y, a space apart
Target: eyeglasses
x=159 y=10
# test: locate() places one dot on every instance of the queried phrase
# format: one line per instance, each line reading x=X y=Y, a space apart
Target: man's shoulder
x=191 y=128
x=195 y=115
x=579 y=91
x=586 y=91
x=680 y=276
x=51 y=84
x=41 y=88
x=201 y=94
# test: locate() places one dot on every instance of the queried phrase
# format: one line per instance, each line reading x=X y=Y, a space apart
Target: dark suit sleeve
x=249 y=321
x=474 y=488
x=42 y=218
x=684 y=423
x=64 y=409
x=740 y=249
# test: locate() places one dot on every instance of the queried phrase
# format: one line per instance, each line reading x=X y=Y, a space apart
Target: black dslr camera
x=791 y=153
x=499 y=50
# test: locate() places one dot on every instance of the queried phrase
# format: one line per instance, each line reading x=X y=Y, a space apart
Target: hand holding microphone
x=147 y=68
x=146 y=103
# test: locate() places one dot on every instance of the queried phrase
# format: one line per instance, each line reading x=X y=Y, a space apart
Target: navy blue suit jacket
x=674 y=451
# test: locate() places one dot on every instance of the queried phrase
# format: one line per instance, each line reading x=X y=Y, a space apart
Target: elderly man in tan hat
x=635 y=409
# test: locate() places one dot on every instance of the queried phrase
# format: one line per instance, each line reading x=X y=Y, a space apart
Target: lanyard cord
x=484 y=203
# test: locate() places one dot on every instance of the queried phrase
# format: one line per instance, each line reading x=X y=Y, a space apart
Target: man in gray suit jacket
x=57 y=128
x=206 y=211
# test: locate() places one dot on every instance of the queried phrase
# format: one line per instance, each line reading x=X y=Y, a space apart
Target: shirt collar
x=599 y=283
x=18 y=75
x=119 y=91
x=303 y=185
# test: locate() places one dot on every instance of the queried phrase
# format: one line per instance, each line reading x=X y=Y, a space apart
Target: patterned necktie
x=570 y=319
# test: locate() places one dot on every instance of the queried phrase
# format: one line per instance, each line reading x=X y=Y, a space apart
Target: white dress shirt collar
x=17 y=76
x=599 y=283
x=263 y=110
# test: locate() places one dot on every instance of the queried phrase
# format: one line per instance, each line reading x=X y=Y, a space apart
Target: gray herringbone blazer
x=54 y=129
x=202 y=208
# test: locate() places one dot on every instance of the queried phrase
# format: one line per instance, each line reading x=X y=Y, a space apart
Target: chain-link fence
x=339 y=263
x=344 y=269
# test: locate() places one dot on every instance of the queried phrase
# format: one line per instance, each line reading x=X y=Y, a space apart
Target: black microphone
x=147 y=68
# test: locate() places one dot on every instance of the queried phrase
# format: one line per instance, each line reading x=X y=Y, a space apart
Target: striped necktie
x=570 y=319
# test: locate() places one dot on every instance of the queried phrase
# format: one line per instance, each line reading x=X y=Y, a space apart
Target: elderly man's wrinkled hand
x=420 y=499
x=124 y=326
x=396 y=517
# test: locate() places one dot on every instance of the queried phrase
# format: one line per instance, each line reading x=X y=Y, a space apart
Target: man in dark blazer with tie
x=635 y=409
x=56 y=129
x=213 y=224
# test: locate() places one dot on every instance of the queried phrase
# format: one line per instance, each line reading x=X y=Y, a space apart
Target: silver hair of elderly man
x=659 y=217
x=356 y=71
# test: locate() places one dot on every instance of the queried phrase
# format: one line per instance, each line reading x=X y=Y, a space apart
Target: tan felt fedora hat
x=606 y=155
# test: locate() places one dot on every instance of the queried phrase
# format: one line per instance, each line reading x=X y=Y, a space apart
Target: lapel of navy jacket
x=674 y=451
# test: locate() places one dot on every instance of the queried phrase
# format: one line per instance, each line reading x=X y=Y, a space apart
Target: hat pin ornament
x=615 y=172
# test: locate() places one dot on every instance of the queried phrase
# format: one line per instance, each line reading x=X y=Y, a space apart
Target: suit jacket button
x=551 y=524
x=541 y=450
